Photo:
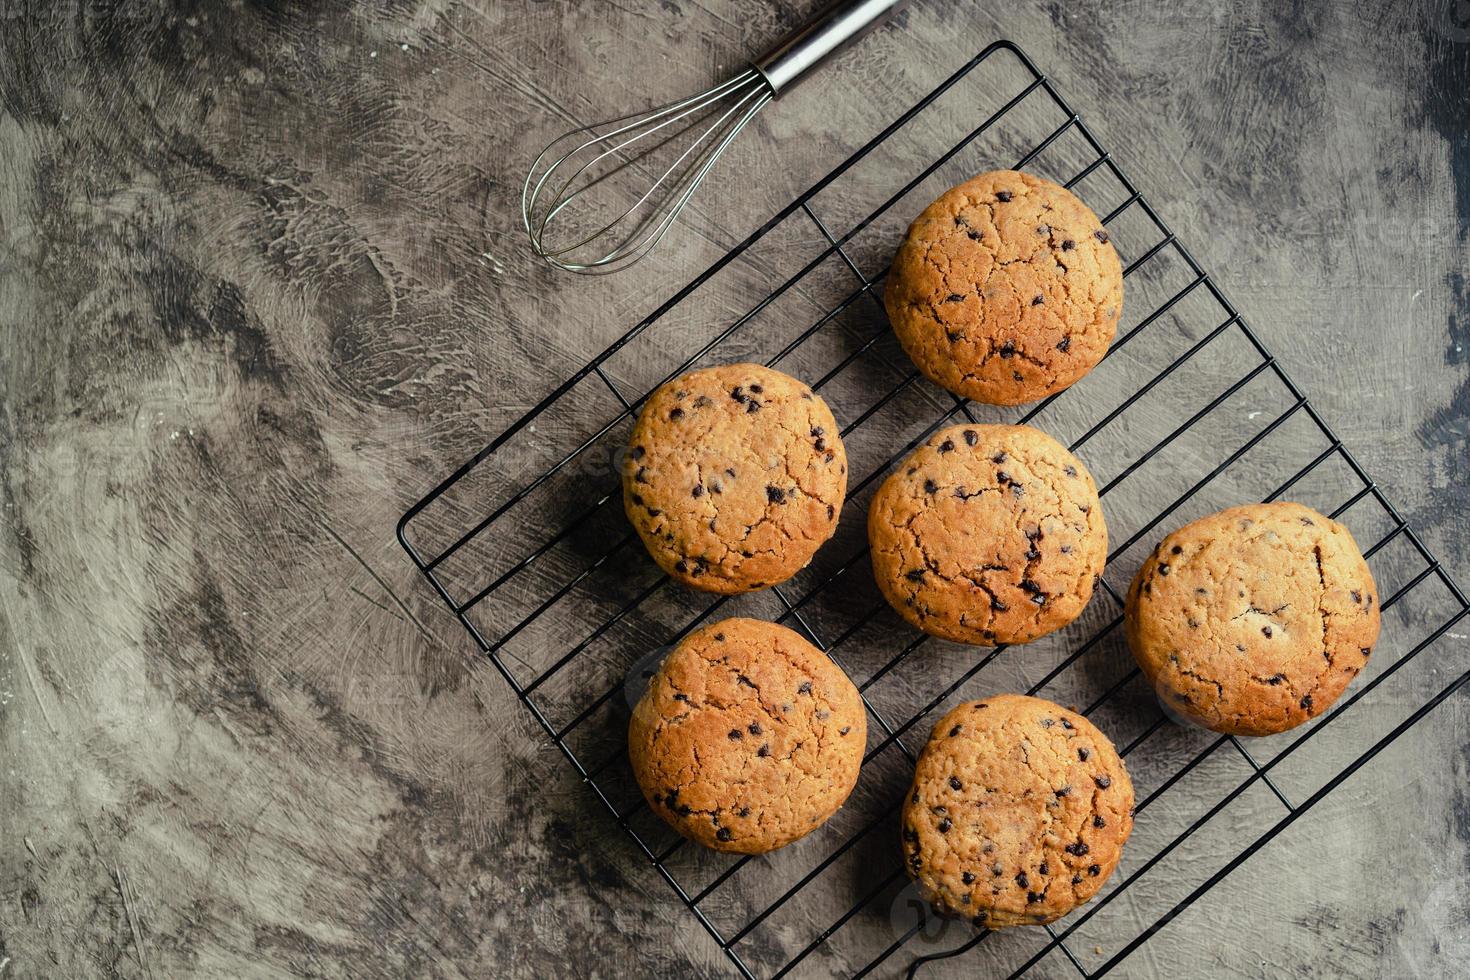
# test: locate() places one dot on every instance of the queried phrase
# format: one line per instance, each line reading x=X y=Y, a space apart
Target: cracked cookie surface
x=1017 y=814
x=748 y=737
x=1005 y=289
x=1253 y=620
x=988 y=534
x=735 y=475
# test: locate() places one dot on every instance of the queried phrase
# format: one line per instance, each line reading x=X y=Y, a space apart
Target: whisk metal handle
x=825 y=34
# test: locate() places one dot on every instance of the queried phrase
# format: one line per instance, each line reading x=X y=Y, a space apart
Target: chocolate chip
x=752 y=407
x=953 y=298
x=1094 y=869
x=1306 y=702
x=763 y=751
x=724 y=834
x=654 y=512
x=637 y=452
x=744 y=811
x=980 y=918
x=1038 y=299
x=639 y=477
x=1068 y=245
x=703 y=401
x=1032 y=897
x=996 y=869
x=956 y=730
x=947 y=446
x=1064 y=791
x=1101 y=236
x=1082 y=754
x=930 y=486
x=967 y=877
x=844 y=730
x=1080 y=848
x=684 y=809
x=681 y=697
x=1103 y=782
x=698 y=490
x=955 y=784
x=1163 y=568
x=1043 y=229
x=1357 y=596
x=1007 y=349
x=1044 y=868
x=997 y=605
x=910 y=834
x=735 y=735
x=1022 y=880
x=754 y=728
x=1063 y=344
x=1076 y=879
x=757 y=389
x=1098 y=821
x=738 y=393
x=944 y=825
x=776 y=495
x=1048 y=722
x=676 y=415
x=1003 y=196
x=819 y=445
x=1069 y=469
x=1266 y=632
x=823 y=714
x=915 y=575
x=806 y=688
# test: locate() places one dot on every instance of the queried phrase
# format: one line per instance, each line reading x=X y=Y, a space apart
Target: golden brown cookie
x=1006 y=289
x=748 y=737
x=1018 y=812
x=988 y=534
x=1252 y=620
x=735 y=475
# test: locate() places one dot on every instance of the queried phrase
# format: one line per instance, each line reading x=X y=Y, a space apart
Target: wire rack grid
x=534 y=559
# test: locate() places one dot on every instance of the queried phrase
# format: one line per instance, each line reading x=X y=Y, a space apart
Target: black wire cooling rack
x=1188 y=413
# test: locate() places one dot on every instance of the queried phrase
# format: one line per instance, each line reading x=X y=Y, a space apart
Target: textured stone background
x=262 y=283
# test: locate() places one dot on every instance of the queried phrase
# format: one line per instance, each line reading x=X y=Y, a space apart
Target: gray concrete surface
x=262 y=284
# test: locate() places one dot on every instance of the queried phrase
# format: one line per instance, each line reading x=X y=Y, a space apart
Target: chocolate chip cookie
x=1254 y=619
x=748 y=737
x=734 y=476
x=1018 y=812
x=1006 y=289
x=988 y=534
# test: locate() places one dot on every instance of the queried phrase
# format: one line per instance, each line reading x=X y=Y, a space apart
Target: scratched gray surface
x=261 y=285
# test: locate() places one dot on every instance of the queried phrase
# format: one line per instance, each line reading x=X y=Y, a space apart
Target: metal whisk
x=630 y=156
